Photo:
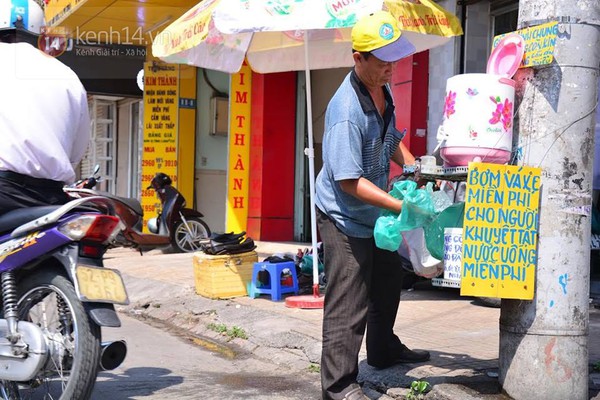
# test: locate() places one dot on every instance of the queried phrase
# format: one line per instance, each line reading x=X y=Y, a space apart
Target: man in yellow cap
x=363 y=281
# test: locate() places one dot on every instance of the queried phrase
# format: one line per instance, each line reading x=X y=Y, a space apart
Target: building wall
x=125 y=154
x=443 y=64
x=445 y=61
x=324 y=84
x=409 y=90
x=211 y=153
x=477 y=37
x=272 y=148
x=211 y=201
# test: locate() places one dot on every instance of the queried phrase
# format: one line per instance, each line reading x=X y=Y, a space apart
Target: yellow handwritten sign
x=161 y=95
x=539 y=44
x=500 y=231
x=238 y=179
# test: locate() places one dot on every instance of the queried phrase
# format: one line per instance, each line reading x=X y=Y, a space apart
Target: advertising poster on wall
x=500 y=232
x=238 y=171
x=161 y=94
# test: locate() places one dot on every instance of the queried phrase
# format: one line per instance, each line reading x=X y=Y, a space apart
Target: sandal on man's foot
x=356 y=394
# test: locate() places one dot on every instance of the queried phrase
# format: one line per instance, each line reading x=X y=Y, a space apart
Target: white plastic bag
x=414 y=248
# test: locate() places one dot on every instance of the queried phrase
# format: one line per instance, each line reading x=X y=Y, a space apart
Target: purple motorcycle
x=56 y=295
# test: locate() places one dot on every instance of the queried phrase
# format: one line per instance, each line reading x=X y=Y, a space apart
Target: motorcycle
x=176 y=226
x=56 y=296
x=184 y=225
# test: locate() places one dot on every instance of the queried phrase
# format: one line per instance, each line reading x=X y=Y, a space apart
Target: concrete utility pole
x=543 y=342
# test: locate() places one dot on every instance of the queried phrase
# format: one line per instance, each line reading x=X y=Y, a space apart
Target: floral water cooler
x=478 y=111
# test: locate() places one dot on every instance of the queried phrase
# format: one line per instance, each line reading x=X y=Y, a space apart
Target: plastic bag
x=387 y=233
x=423 y=263
x=401 y=188
x=417 y=211
x=451 y=217
x=399 y=191
x=306 y=265
x=441 y=201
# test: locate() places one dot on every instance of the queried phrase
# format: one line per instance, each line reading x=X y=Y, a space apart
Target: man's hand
x=403 y=156
x=366 y=191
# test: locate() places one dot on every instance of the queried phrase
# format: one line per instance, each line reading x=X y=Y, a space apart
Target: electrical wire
x=566 y=127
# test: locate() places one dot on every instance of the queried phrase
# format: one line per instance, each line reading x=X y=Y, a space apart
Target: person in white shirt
x=44 y=126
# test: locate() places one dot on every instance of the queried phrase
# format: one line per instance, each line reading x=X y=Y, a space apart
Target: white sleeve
x=81 y=129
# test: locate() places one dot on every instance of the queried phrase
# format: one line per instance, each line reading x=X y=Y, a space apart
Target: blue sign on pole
x=187 y=103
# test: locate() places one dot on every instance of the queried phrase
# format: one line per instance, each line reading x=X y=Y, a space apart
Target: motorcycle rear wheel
x=185 y=241
x=74 y=341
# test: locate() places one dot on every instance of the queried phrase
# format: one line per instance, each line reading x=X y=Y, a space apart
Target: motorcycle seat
x=20 y=216
x=134 y=204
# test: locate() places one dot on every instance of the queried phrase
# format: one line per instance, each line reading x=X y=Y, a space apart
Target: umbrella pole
x=314 y=301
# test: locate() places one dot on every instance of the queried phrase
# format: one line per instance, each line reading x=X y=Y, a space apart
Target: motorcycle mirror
x=96 y=169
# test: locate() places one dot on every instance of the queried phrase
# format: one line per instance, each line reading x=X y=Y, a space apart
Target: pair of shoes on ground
x=404 y=356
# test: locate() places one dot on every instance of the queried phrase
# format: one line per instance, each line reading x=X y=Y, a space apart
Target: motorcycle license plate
x=101 y=284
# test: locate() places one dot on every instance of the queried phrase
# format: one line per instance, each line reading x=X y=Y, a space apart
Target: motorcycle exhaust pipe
x=112 y=354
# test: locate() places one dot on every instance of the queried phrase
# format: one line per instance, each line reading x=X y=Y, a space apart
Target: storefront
x=278 y=197
x=105 y=43
x=280 y=169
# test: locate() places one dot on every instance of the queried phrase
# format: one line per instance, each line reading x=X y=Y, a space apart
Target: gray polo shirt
x=357 y=142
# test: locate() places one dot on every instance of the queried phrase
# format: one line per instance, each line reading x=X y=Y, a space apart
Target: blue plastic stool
x=275 y=287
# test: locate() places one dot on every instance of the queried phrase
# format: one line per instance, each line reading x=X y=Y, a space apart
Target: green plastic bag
x=451 y=217
x=417 y=211
x=399 y=191
x=401 y=188
x=387 y=233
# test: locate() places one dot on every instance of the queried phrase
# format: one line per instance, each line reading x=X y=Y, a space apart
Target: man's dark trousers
x=363 y=284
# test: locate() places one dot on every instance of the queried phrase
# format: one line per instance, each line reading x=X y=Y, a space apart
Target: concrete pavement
x=461 y=335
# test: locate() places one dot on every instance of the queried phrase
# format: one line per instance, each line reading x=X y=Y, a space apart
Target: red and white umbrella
x=220 y=34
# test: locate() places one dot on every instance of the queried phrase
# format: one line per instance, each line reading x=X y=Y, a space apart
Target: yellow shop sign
x=58 y=10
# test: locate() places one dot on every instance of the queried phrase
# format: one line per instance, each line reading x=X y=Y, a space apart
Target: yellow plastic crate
x=222 y=277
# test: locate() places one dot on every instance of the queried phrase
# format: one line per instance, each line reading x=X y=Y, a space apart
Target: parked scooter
x=176 y=226
x=184 y=225
x=56 y=296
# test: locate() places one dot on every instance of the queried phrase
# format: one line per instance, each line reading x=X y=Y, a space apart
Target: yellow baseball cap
x=378 y=34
